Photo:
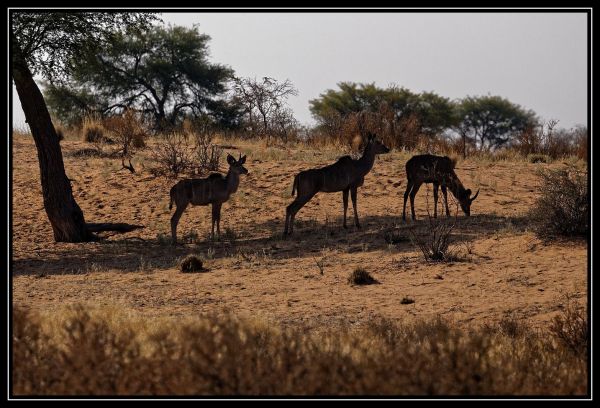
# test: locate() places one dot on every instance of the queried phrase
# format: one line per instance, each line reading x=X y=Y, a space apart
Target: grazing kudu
x=215 y=190
x=438 y=170
x=345 y=175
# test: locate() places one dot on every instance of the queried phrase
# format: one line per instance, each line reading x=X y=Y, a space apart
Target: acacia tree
x=491 y=121
x=163 y=72
x=45 y=43
x=392 y=110
x=265 y=104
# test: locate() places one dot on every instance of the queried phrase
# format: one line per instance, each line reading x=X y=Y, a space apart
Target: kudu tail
x=295 y=185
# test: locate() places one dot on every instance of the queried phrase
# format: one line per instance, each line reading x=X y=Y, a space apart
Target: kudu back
x=214 y=189
x=345 y=175
x=439 y=170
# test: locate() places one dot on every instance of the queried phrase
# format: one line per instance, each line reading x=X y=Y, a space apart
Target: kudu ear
x=475 y=196
x=230 y=159
x=242 y=159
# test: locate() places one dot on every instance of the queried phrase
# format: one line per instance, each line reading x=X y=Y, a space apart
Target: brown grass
x=93 y=131
x=94 y=352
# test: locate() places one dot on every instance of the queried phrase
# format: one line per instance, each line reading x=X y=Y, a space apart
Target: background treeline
x=164 y=74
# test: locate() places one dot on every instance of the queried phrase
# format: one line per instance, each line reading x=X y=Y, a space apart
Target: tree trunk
x=63 y=212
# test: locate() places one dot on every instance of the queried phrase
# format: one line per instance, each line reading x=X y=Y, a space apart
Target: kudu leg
x=345 y=198
x=413 y=193
x=409 y=186
x=436 y=187
x=216 y=219
x=291 y=212
x=445 y=193
x=353 y=195
x=175 y=220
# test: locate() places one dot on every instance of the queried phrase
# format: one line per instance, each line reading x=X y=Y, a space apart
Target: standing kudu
x=438 y=170
x=345 y=175
x=215 y=190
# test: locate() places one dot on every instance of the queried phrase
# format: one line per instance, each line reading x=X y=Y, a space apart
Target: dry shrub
x=191 y=263
x=173 y=155
x=547 y=139
x=570 y=327
x=342 y=130
x=434 y=239
x=94 y=353
x=128 y=131
x=512 y=327
x=208 y=154
x=562 y=208
x=361 y=277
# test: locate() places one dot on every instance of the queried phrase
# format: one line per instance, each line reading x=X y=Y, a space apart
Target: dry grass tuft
x=93 y=131
x=361 y=277
x=191 y=263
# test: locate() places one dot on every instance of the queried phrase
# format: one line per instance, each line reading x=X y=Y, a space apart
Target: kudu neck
x=233 y=181
x=367 y=159
x=456 y=187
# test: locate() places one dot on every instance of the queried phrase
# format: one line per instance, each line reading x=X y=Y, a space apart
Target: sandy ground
x=505 y=268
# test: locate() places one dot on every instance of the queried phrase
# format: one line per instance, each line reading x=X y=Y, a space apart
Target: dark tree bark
x=63 y=212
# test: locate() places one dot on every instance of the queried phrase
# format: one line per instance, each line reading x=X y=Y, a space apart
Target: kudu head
x=375 y=144
x=465 y=200
x=237 y=166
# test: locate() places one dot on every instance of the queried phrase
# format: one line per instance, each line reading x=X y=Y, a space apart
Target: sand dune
x=508 y=270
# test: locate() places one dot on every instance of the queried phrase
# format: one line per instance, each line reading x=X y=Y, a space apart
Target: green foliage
x=51 y=41
x=395 y=114
x=163 y=72
x=69 y=105
x=492 y=121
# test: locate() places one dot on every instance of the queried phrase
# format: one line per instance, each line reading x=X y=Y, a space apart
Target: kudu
x=438 y=170
x=345 y=175
x=215 y=190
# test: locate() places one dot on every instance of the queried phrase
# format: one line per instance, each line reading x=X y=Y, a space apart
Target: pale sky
x=537 y=60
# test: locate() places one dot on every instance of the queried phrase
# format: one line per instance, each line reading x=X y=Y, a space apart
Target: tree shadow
x=310 y=238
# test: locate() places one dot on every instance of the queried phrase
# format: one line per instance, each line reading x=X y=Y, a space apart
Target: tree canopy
x=492 y=121
x=163 y=72
x=434 y=113
x=50 y=41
